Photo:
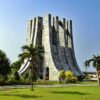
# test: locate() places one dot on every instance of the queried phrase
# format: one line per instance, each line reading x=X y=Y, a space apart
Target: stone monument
x=55 y=35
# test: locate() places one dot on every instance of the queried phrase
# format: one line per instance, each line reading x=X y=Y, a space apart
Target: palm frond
x=25 y=47
x=90 y=60
x=24 y=55
x=40 y=49
x=86 y=64
x=94 y=63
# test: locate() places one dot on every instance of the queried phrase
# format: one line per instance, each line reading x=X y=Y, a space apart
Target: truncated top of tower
x=36 y=25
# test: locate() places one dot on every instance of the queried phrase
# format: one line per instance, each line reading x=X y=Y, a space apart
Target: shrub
x=67 y=77
x=1 y=79
x=74 y=79
x=16 y=76
x=26 y=76
x=62 y=76
x=69 y=74
x=13 y=77
x=11 y=81
x=70 y=77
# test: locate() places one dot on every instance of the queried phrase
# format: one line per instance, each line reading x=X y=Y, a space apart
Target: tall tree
x=4 y=64
x=96 y=64
x=32 y=54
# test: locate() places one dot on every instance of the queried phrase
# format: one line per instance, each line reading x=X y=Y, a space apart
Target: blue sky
x=85 y=14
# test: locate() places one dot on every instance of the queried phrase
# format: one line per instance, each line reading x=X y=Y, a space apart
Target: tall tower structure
x=55 y=35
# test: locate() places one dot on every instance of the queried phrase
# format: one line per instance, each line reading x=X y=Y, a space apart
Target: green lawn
x=88 y=82
x=64 y=93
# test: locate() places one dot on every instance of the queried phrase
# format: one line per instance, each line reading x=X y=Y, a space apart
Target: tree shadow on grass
x=21 y=95
x=70 y=92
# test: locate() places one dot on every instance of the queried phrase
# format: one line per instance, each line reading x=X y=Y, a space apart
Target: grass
x=56 y=82
x=46 y=82
x=88 y=82
x=62 y=93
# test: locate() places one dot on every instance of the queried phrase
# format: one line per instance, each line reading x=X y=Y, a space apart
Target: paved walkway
x=44 y=86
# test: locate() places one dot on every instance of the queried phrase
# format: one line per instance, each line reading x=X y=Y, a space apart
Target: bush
x=2 y=79
x=67 y=77
x=62 y=76
x=16 y=76
x=13 y=78
x=11 y=81
x=26 y=76
x=69 y=74
x=74 y=79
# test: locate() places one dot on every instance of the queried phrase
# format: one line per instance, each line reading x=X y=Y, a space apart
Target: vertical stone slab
x=66 y=33
x=54 y=43
x=59 y=67
x=57 y=29
x=38 y=32
x=61 y=33
x=70 y=52
x=53 y=75
x=65 y=27
x=69 y=34
x=33 y=30
x=61 y=45
x=29 y=32
x=74 y=62
x=35 y=34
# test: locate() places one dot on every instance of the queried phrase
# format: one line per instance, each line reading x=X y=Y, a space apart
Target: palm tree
x=96 y=64
x=86 y=64
x=32 y=54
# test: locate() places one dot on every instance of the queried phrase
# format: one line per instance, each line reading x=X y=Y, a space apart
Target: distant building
x=55 y=35
x=90 y=75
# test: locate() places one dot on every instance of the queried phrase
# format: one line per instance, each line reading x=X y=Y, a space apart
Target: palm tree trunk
x=31 y=78
x=32 y=85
